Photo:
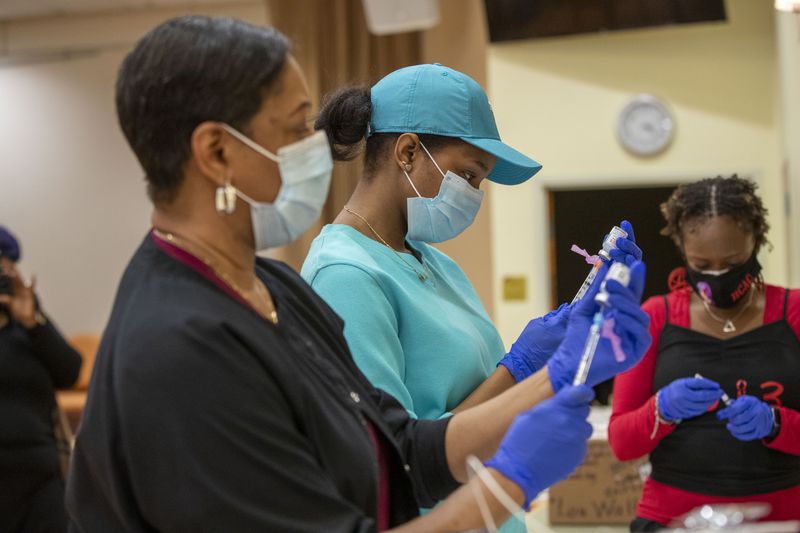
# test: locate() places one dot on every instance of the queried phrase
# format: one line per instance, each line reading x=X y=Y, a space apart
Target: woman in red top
x=722 y=322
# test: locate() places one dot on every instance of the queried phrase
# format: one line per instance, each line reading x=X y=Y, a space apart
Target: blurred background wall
x=70 y=187
x=74 y=194
x=559 y=99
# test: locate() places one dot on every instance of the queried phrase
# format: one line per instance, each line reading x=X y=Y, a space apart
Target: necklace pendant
x=728 y=327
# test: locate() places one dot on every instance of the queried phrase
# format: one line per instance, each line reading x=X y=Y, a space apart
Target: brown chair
x=72 y=401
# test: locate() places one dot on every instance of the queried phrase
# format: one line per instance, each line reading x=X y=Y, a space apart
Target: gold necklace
x=421 y=275
x=728 y=323
x=261 y=291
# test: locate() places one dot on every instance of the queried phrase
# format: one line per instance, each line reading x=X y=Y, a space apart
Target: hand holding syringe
x=622 y=274
x=725 y=398
x=622 y=319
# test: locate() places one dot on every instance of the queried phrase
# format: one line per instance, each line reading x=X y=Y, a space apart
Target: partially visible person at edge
x=224 y=396
x=721 y=329
x=34 y=361
x=413 y=320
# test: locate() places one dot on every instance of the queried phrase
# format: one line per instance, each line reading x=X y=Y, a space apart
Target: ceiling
x=15 y=9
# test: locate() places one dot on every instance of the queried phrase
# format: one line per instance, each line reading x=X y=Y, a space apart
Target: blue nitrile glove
x=630 y=325
x=626 y=251
x=538 y=341
x=687 y=398
x=546 y=443
x=748 y=418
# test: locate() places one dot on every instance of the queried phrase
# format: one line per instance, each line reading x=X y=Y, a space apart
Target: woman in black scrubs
x=34 y=361
x=224 y=397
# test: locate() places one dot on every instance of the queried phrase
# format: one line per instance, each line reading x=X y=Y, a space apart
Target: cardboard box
x=601 y=491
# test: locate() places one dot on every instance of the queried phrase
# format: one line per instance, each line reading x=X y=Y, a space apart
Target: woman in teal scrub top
x=413 y=320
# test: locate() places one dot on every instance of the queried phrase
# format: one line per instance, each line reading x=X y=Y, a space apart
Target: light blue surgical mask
x=305 y=168
x=446 y=215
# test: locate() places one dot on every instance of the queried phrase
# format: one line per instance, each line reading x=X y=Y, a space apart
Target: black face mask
x=725 y=290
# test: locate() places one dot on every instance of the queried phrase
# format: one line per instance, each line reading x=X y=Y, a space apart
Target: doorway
x=585 y=216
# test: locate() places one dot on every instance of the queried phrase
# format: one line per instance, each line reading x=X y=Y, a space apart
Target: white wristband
x=475 y=468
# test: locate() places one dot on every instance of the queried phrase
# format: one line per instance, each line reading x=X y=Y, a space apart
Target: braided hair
x=697 y=202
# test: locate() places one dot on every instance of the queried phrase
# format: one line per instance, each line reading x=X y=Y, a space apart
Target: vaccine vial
x=619 y=272
x=610 y=242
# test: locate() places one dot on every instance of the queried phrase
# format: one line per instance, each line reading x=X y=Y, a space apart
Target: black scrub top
x=700 y=456
x=203 y=416
x=33 y=364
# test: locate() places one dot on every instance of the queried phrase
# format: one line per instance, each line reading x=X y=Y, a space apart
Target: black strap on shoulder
x=666 y=310
x=785 y=301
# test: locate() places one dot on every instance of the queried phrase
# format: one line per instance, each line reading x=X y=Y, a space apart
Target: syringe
x=622 y=274
x=609 y=243
x=725 y=398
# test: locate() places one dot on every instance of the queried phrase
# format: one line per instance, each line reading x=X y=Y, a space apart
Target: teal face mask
x=446 y=215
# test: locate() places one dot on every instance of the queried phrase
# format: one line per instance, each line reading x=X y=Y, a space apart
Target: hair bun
x=345 y=117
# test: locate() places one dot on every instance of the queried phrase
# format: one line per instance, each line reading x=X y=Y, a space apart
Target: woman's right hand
x=687 y=398
x=630 y=326
x=21 y=303
x=546 y=443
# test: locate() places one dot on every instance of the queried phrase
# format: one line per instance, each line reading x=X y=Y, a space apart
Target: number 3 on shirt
x=771 y=397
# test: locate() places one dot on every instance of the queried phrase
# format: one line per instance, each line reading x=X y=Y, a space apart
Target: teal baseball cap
x=438 y=100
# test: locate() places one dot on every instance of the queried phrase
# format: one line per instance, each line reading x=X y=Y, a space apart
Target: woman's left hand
x=748 y=418
x=627 y=251
x=21 y=303
x=537 y=342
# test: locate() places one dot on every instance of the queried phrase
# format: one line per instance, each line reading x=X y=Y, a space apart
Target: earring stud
x=407 y=166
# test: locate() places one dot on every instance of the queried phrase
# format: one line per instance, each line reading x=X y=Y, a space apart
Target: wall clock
x=645 y=126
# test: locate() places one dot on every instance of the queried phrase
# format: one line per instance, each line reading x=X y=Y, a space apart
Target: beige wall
x=558 y=100
x=80 y=208
x=69 y=186
x=461 y=43
x=79 y=204
x=787 y=27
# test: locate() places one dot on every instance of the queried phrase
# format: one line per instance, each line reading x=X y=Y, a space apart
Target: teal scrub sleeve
x=370 y=326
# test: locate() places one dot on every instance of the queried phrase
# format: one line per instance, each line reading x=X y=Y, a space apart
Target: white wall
x=69 y=186
x=558 y=100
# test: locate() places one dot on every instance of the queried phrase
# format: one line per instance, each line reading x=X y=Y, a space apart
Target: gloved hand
x=687 y=398
x=630 y=325
x=545 y=444
x=538 y=341
x=626 y=251
x=748 y=418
